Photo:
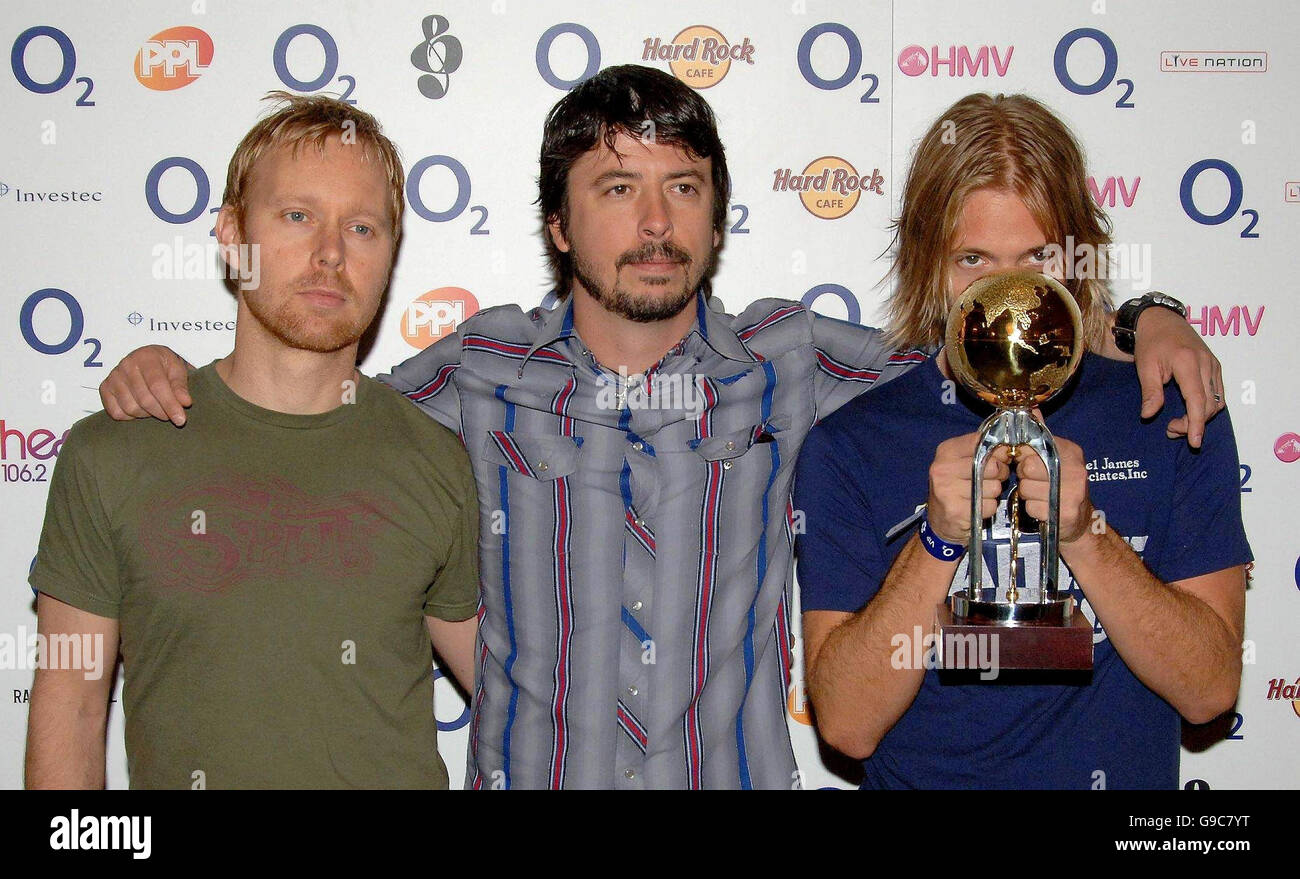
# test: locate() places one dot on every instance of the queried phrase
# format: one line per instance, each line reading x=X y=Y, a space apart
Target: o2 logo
x=844 y=294
x=280 y=58
x=76 y=326
x=459 y=203
x=543 y=54
x=851 y=70
x=18 y=61
x=202 y=192
x=1110 y=66
x=459 y=722
x=1236 y=192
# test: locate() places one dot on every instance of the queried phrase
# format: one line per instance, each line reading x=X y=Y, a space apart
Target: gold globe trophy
x=1014 y=339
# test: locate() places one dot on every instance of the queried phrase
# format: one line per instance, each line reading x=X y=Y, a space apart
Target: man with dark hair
x=634 y=452
x=273 y=573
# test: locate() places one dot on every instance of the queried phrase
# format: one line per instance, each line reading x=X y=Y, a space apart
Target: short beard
x=643 y=309
x=301 y=331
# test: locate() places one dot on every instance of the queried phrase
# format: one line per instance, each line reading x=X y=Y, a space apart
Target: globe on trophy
x=1014 y=340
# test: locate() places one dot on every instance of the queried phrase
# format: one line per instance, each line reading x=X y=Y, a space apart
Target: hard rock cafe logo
x=435 y=314
x=829 y=187
x=699 y=56
x=1279 y=689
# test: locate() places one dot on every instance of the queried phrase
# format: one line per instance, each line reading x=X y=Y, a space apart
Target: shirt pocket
x=538 y=456
x=727 y=447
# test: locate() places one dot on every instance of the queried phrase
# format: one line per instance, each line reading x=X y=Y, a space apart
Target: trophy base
x=1056 y=640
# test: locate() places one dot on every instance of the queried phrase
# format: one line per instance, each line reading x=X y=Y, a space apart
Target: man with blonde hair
x=1151 y=537
x=272 y=574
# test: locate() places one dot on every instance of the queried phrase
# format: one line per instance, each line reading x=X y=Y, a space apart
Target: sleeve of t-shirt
x=841 y=562
x=1205 y=532
x=75 y=561
x=429 y=380
x=454 y=593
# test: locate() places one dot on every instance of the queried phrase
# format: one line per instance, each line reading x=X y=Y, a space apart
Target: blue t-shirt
x=866 y=469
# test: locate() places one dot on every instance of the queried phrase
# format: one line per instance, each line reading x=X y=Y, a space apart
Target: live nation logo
x=829 y=187
x=1213 y=62
x=699 y=56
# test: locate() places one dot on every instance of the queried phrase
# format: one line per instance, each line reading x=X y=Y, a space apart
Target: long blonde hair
x=1004 y=142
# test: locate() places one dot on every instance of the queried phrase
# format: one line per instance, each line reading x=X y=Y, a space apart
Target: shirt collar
x=711 y=327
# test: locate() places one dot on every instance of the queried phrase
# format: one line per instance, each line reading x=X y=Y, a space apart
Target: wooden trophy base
x=1020 y=646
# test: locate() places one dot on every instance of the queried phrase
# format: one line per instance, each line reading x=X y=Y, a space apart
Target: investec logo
x=829 y=187
x=435 y=314
x=699 y=56
x=173 y=58
x=956 y=60
x=1213 y=62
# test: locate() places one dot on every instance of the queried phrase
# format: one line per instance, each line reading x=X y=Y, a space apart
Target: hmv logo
x=955 y=60
x=1104 y=193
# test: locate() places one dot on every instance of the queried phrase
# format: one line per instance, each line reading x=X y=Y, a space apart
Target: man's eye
x=1039 y=255
x=970 y=260
x=619 y=189
x=362 y=229
x=296 y=216
x=686 y=188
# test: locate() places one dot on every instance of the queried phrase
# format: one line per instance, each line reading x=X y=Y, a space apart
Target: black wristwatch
x=1126 y=318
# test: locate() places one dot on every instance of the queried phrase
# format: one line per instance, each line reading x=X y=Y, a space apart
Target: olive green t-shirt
x=270 y=574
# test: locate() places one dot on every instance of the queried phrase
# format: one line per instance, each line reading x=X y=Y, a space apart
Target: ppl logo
x=796 y=704
x=41 y=444
x=1287 y=448
x=436 y=314
x=699 y=56
x=173 y=58
x=829 y=187
x=916 y=60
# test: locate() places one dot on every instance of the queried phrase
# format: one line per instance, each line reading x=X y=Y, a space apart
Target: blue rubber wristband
x=937 y=546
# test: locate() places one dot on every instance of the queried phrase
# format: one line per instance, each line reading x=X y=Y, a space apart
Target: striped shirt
x=637 y=539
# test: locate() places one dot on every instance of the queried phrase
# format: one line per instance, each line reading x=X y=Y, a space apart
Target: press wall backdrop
x=120 y=118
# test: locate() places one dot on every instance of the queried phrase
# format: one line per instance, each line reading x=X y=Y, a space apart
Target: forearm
x=1173 y=641
x=454 y=642
x=856 y=689
x=65 y=735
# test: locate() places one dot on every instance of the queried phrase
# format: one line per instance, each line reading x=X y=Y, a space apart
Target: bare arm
x=149 y=382
x=1167 y=347
x=857 y=692
x=1181 y=639
x=69 y=708
x=455 y=644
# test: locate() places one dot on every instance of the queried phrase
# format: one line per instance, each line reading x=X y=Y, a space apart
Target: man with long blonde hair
x=1151 y=538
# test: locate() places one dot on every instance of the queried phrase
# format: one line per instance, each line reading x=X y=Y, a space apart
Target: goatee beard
x=644 y=309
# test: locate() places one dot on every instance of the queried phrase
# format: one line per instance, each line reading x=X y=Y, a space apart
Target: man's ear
x=717 y=238
x=229 y=236
x=553 y=227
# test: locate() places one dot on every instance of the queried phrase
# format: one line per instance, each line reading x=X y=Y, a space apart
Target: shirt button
x=632 y=691
x=726 y=465
x=636 y=605
x=629 y=773
x=638 y=445
x=543 y=466
x=730 y=445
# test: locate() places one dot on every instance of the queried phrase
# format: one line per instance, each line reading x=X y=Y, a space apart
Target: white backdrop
x=109 y=178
